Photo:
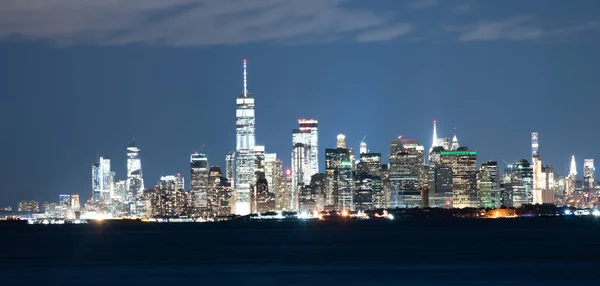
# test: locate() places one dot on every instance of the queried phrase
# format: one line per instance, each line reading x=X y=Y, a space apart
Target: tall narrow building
x=244 y=154
x=102 y=180
x=489 y=185
x=306 y=164
x=199 y=185
x=571 y=179
x=536 y=164
x=589 y=182
x=135 y=181
x=434 y=141
x=338 y=177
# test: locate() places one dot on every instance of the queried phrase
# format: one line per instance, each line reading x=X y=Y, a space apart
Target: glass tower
x=244 y=154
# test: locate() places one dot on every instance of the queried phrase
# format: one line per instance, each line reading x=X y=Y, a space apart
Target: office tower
x=368 y=180
x=199 y=189
x=489 y=185
x=454 y=145
x=588 y=176
x=276 y=181
x=305 y=154
x=406 y=172
x=536 y=164
x=363 y=147
x=168 y=199
x=463 y=163
x=289 y=192
x=506 y=190
x=244 y=152
x=64 y=206
x=298 y=168
x=29 y=206
x=102 y=179
x=547 y=184
x=75 y=203
x=265 y=199
x=439 y=183
x=135 y=181
x=522 y=183
x=230 y=166
x=571 y=179
x=338 y=178
x=560 y=185
x=120 y=191
x=220 y=188
x=341 y=141
x=312 y=196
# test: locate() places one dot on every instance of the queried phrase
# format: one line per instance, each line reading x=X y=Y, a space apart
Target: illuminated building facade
x=589 y=182
x=199 y=187
x=29 y=206
x=522 y=183
x=406 y=174
x=244 y=154
x=102 y=180
x=168 y=199
x=338 y=177
x=135 y=181
x=571 y=179
x=368 y=180
x=463 y=163
x=221 y=193
x=538 y=177
x=489 y=185
x=305 y=154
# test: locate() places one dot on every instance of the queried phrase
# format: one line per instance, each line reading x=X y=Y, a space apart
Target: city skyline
x=472 y=71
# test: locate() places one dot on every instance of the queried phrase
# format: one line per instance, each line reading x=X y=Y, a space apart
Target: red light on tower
x=288 y=172
x=448 y=202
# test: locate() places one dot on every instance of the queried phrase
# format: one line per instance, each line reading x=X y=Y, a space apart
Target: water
x=535 y=251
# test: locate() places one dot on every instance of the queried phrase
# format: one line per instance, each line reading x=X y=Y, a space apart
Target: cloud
x=384 y=34
x=191 y=22
x=422 y=4
x=518 y=29
x=513 y=29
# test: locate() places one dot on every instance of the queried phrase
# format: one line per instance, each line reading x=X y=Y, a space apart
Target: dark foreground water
x=556 y=251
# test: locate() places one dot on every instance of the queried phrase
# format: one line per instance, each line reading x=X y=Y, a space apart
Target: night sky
x=81 y=78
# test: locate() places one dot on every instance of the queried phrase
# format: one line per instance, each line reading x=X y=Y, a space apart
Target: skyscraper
x=406 y=163
x=244 y=154
x=522 y=183
x=434 y=141
x=338 y=178
x=571 y=179
x=368 y=183
x=305 y=154
x=135 y=180
x=102 y=180
x=221 y=192
x=538 y=178
x=489 y=185
x=199 y=187
x=463 y=163
x=589 y=183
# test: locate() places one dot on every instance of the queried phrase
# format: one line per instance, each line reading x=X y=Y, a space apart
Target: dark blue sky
x=80 y=78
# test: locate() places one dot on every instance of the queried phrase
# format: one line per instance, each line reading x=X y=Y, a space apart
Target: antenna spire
x=245 y=82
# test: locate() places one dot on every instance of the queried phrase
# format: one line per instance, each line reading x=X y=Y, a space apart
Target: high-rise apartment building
x=244 y=154
x=29 y=206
